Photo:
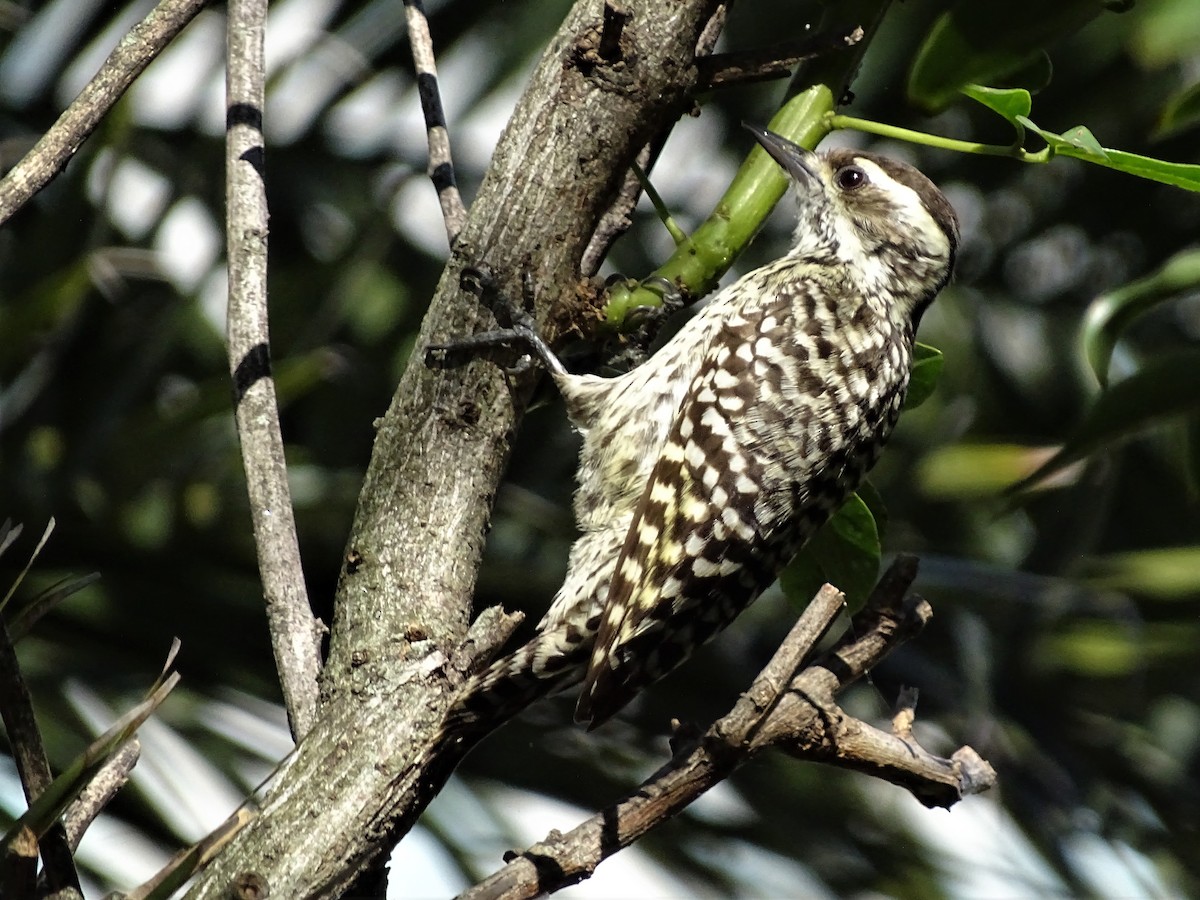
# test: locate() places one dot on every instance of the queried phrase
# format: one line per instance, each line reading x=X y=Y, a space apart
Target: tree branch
x=376 y=755
x=295 y=632
x=789 y=706
x=441 y=162
x=51 y=154
x=25 y=739
x=766 y=63
x=100 y=791
x=18 y=867
x=617 y=218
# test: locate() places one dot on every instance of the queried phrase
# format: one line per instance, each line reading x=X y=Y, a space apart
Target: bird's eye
x=850 y=177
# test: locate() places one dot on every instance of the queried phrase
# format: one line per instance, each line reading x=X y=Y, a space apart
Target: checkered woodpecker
x=706 y=468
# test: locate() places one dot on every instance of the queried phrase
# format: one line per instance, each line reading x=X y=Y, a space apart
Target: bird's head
x=889 y=224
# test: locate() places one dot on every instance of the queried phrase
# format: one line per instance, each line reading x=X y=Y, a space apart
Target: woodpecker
x=706 y=468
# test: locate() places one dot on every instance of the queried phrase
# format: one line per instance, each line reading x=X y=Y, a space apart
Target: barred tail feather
x=550 y=662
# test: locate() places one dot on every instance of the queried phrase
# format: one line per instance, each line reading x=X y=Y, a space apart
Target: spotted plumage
x=706 y=468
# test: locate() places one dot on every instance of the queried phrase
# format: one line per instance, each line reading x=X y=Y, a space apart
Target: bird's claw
x=521 y=331
x=523 y=364
x=673 y=298
x=439 y=355
x=477 y=280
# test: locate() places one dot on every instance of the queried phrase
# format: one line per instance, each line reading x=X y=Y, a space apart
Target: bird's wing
x=712 y=522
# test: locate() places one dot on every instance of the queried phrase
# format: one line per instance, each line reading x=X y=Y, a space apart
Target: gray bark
x=295 y=632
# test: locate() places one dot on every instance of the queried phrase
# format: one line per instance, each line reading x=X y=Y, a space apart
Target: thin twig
x=617 y=219
x=765 y=63
x=295 y=632
x=51 y=154
x=788 y=706
x=20 y=724
x=660 y=206
x=441 y=163
x=100 y=791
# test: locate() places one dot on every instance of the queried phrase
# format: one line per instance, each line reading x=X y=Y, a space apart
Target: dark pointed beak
x=799 y=163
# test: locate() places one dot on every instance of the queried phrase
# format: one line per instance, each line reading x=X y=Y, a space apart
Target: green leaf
x=926 y=370
x=1166 y=386
x=63 y=790
x=1165 y=574
x=380 y=301
x=1077 y=142
x=1181 y=112
x=1033 y=77
x=1105 y=649
x=985 y=41
x=869 y=494
x=1164 y=34
x=1182 y=175
x=1011 y=103
x=1092 y=649
x=845 y=552
x=949 y=59
x=1110 y=314
x=1082 y=140
x=970 y=471
x=1080 y=143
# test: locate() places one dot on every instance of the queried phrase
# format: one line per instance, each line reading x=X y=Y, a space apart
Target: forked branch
x=790 y=706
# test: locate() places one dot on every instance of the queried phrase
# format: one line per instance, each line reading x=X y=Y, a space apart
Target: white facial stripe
x=910 y=208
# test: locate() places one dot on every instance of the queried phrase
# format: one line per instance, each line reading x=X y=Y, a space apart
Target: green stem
x=664 y=214
x=933 y=140
x=697 y=264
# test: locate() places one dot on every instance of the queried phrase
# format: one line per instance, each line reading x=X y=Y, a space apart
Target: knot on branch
x=606 y=52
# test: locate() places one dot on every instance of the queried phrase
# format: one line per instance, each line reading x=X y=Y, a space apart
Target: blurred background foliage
x=1064 y=643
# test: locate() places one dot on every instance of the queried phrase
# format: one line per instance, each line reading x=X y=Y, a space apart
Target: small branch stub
x=766 y=63
x=616 y=15
x=906 y=713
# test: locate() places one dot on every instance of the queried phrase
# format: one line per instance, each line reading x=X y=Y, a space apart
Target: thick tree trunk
x=373 y=760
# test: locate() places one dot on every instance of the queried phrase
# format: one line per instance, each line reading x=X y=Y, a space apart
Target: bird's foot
x=642 y=325
x=521 y=333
